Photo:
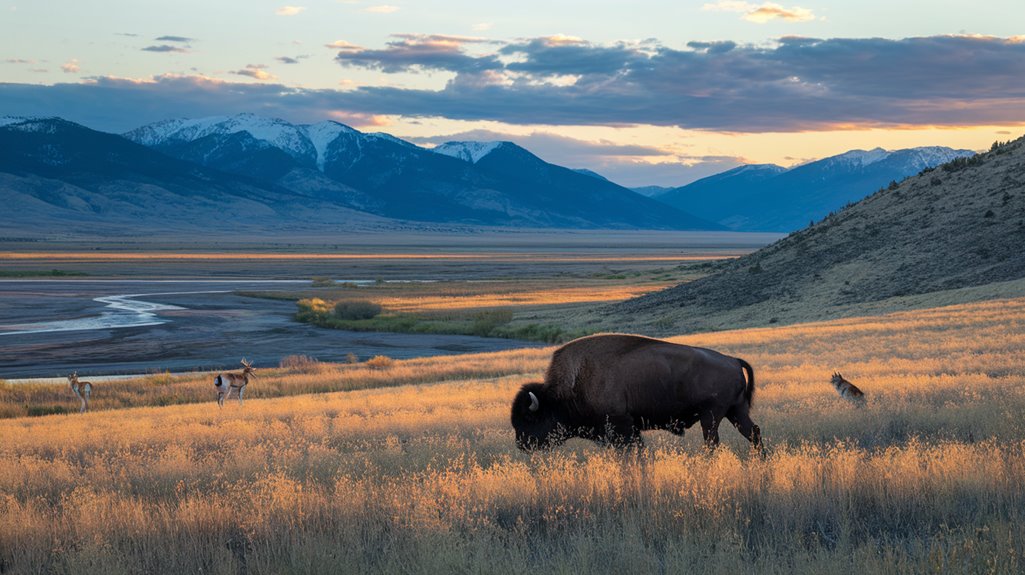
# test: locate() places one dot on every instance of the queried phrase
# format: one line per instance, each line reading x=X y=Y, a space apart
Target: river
x=103 y=327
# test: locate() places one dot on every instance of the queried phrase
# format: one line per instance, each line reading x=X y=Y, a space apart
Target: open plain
x=419 y=473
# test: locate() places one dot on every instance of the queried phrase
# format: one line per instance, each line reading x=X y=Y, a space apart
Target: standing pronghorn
x=847 y=390
x=83 y=389
x=225 y=382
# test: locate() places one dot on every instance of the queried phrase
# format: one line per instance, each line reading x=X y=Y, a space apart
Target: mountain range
x=766 y=197
x=947 y=235
x=270 y=174
x=482 y=183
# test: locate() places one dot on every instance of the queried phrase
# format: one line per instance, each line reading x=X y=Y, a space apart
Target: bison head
x=535 y=418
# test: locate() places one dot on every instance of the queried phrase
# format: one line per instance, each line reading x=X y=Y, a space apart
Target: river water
x=97 y=327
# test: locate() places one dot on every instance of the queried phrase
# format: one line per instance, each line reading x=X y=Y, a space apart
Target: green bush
x=40 y=410
x=357 y=309
x=484 y=322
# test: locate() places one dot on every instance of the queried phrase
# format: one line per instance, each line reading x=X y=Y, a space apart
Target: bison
x=608 y=388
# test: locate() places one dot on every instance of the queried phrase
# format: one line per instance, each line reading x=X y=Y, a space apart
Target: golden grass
x=928 y=477
x=529 y=297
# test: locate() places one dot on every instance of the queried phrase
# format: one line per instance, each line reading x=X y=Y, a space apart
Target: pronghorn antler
x=246 y=362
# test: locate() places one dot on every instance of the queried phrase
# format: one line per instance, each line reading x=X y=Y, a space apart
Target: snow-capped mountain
x=494 y=183
x=308 y=143
x=771 y=198
x=471 y=152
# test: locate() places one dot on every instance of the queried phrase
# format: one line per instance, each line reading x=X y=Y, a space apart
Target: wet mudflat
x=51 y=327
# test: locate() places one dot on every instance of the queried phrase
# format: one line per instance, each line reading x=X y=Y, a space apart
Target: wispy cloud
x=179 y=39
x=381 y=9
x=289 y=10
x=342 y=45
x=418 y=52
x=19 y=61
x=257 y=71
x=71 y=66
x=287 y=60
x=762 y=13
x=165 y=48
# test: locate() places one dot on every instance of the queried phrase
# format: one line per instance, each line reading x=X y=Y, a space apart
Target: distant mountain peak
x=309 y=142
x=469 y=151
x=862 y=157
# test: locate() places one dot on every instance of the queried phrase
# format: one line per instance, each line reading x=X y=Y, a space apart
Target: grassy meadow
x=410 y=467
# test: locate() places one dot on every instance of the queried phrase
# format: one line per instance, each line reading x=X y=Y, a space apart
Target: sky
x=642 y=92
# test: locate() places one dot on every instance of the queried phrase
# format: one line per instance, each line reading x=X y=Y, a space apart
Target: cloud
x=181 y=39
x=71 y=66
x=795 y=84
x=382 y=9
x=342 y=45
x=287 y=60
x=289 y=10
x=257 y=71
x=414 y=52
x=19 y=61
x=165 y=48
x=762 y=13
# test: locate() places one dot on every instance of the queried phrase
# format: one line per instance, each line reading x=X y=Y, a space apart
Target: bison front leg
x=710 y=430
x=621 y=432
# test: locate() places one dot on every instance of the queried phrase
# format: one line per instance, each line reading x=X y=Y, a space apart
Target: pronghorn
x=83 y=389
x=847 y=390
x=225 y=382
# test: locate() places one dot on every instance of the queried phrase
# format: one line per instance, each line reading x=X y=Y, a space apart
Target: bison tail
x=749 y=393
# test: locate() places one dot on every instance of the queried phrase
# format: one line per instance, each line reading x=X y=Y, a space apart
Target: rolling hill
x=956 y=230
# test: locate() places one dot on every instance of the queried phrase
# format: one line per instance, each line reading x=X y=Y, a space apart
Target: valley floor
x=929 y=476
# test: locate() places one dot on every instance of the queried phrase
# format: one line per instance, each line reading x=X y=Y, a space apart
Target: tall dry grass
x=928 y=477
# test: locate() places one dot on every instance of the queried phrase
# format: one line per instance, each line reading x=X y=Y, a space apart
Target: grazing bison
x=608 y=388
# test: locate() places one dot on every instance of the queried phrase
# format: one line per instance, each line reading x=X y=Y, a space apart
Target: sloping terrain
x=956 y=227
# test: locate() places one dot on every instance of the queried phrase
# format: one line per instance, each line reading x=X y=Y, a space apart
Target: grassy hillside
x=959 y=226
x=423 y=479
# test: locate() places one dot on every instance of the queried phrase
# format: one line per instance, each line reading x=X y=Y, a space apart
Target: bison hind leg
x=741 y=419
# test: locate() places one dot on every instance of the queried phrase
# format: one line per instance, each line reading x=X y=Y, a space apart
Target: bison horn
x=534 y=403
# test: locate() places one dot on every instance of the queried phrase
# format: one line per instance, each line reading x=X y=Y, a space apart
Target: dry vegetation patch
x=928 y=477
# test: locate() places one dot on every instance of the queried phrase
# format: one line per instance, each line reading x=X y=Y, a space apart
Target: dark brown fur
x=610 y=387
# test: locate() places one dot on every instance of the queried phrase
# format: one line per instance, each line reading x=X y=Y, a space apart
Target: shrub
x=487 y=320
x=357 y=309
x=380 y=362
x=320 y=281
x=311 y=309
x=351 y=358
x=40 y=410
x=300 y=363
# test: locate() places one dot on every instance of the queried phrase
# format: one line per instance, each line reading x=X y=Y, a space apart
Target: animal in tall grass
x=231 y=381
x=847 y=390
x=82 y=389
x=608 y=388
